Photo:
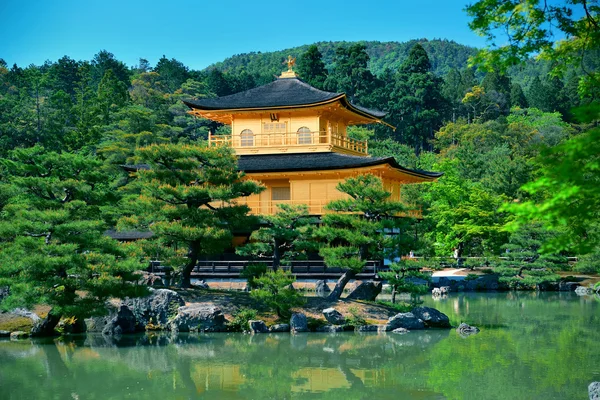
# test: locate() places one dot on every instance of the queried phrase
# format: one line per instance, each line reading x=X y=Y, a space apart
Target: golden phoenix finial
x=291 y=61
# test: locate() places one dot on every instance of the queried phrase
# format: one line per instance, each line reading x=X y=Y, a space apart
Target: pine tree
x=188 y=197
x=355 y=231
x=286 y=236
x=52 y=245
x=311 y=67
x=538 y=95
x=416 y=105
x=517 y=97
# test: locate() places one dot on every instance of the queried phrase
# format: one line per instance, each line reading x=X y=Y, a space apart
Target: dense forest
x=491 y=133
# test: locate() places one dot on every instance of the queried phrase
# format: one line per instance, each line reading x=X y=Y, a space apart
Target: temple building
x=293 y=138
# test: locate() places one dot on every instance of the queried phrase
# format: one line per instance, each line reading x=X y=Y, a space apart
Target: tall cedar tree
x=52 y=245
x=286 y=236
x=355 y=231
x=188 y=196
x=416 y=105
x=311 y=67
x=351 y=74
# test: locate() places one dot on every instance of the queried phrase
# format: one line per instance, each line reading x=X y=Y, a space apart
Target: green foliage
x=311 y=67
x=239 y=322
x=52 y=244
x=252 y=272
x=286 y=236
x=402 y=276
x=275 y=290
x=398 y=307
x=186 y=198
x=588 y=264
x=355 y=318
x=355 y=231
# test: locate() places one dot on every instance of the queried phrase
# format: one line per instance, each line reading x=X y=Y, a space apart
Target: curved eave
x=342 y=98
x=391 y=161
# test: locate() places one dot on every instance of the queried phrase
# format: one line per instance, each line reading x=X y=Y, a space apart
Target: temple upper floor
x=287 y=116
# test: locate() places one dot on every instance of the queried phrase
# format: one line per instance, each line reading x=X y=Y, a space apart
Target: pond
x=531 y=346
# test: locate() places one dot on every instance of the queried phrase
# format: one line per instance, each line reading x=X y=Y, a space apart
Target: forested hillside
x=443 y=55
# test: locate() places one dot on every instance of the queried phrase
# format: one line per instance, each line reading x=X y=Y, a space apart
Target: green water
x=532 y=346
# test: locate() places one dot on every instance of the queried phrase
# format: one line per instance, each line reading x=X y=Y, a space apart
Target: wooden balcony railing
x=290 y=140
x=315 y=207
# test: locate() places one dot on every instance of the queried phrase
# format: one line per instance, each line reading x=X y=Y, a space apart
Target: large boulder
x=257 y=326
x=123 y=322
x=200 y=317
x=330 y=328
x=280 y=328
x=4 y=292
x=594 y=391
x=321 y=288
x=200 y=284
x=298 y=323
x=16 y=335
x=405 y=320
x=465 y=330
x=4 y=334
x=567 y=286
x=431 y=317
x=156 y=310
x=366 y=291
x=584 y=291
x=333 y=316
x=149 y=279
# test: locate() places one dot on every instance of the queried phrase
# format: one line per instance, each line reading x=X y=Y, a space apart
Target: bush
x=275 y=290
x=239 y=323
x=251 y=272
x=314 y=323
x=400 y=307
x=471 y=277
x=588 y=264
x=355 y=319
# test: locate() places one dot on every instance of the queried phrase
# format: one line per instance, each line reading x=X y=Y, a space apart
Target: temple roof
x=309 y=162
x=282 y=93
x=319 y=161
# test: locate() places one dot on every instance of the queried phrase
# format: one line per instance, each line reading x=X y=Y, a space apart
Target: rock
x=4 y=292
x=594 y=391
x=431 y=317
x=201 y=317
x=400 y=331
x=97 y=324
x=258 y=326
x=367 y=328
x=156 y=310
x=584 y=291
x=465 y=330
x=405 y=320
x=16 y=335
x=334 y=317
x=280 y=328
x=201 y=284
x=567 y=286
x=123 y=322
x=321 y=288
x=298 y=323
x=436 y=292
x=366 y=291
x=4 y=334
x=330 y=328
x=444 y=290
x=72 y=326
x=149 y=279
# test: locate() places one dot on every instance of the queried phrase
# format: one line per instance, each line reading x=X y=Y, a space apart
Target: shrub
x=239 y=323
x=588 y=264
x=400 y=307
x=314 y=323
x=275 y=290
x=471 y=277
x=251 y=272
x=355 y=319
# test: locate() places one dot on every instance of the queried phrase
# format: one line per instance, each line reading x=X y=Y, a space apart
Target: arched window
x=247 y=138
x=304 y=136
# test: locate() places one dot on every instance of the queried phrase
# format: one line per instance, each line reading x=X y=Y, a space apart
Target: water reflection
x=531 y=347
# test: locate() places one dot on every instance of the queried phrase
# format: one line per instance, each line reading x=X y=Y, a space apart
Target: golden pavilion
x=293 y=138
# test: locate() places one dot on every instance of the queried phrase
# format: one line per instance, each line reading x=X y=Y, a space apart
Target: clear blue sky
x=200 y=32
